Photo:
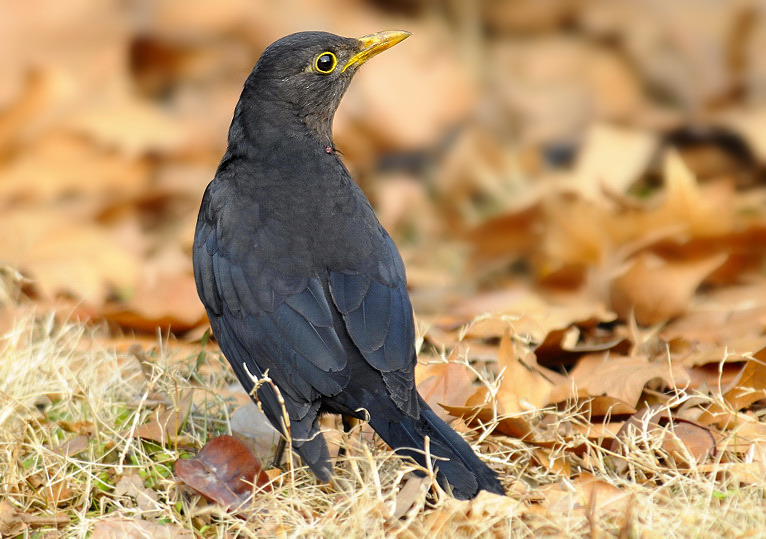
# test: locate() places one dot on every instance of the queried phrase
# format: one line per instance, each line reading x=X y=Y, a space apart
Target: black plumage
x=299 y=278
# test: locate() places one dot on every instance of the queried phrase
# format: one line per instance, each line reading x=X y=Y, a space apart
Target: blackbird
x=300 y=280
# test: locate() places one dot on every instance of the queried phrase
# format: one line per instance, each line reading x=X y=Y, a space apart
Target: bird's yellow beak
x=375 y=43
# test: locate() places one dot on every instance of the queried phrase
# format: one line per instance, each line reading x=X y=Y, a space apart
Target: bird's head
x=307 y=73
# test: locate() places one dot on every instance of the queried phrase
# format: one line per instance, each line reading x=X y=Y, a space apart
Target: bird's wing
x=378 y=316
x=273 y=323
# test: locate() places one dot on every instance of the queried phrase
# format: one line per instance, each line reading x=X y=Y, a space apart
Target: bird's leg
x=280 y=452
x=348 y=424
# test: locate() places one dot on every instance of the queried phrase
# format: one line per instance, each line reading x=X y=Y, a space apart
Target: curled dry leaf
x=522 y=388
x=748 y=387
x=224 y=471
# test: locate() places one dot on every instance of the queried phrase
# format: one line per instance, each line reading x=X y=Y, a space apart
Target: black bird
x=299 y=278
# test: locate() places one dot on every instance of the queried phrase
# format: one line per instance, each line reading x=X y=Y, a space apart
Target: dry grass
x=57 y=382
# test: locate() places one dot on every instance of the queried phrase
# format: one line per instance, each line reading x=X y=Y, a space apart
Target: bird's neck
x=262 y=124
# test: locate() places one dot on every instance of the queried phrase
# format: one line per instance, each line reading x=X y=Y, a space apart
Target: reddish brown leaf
x=224 y=471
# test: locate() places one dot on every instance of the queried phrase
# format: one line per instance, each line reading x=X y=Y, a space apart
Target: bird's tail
x=454 y=460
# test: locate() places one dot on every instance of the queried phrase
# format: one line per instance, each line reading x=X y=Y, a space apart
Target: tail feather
x=455 y=462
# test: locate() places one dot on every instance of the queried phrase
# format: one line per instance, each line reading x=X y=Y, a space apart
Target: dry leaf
x=14 y=522
x=748 y=387
x=612 y=159
x=132 y=486
x=451 y=384
x=596 y=407
x=655 y=290
x=224 y=471
x=742 y=473
x=522 y=387
x=252 y=427
x=11 y=524
x=560 y=466
x=414 y=489
x=679 y=438
x=165 y=424
x=484 y=415
x=620 y=377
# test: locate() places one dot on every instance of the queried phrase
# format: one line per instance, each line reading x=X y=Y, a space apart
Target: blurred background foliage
x=506 y=142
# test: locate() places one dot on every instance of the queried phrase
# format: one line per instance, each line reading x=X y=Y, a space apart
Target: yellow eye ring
x=325 y=63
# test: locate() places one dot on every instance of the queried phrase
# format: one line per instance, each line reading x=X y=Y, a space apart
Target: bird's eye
x=326 y=62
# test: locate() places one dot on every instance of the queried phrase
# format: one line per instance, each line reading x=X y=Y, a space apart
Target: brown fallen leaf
x=689 y=439
x=11 y=523
x=484 y=414
x=679 y=438
x=56 y=490
x=743 y=473
x=451 y=384
x=414 y=489
x=224 y=471
x=522 y=388
x=585 y=493
x=132 y=486
x=655 y=290
x=71 y=447
x=560 y=467
x=14 y=522
x=748 y=436
x=620 y=377
x=488 y=504
x=597 y=407
x=748 y=387
x=165 y=424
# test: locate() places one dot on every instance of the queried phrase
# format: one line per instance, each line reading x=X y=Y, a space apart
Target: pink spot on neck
x=328 y=150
